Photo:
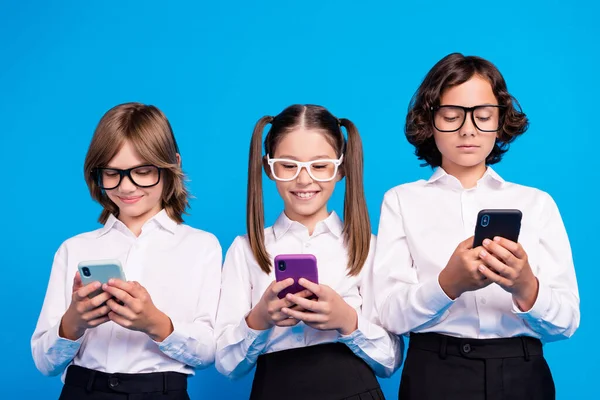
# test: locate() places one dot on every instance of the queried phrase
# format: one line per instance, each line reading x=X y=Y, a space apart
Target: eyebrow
x=320 y=157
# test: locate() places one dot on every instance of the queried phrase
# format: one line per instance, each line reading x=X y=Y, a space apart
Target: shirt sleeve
x=555 y=314
x=192 y=342
x=52 y=353
x=238 y=346
x=381 y=350
x=402 y=301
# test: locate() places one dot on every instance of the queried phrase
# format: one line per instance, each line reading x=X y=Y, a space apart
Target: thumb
x=77 y=281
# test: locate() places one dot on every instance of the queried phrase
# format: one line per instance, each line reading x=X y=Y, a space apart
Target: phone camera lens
x=281 y=265
x=86 y=271
x=485 y=220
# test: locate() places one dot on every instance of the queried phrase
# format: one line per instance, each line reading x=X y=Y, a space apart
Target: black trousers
x=87 y=384
x=443 y=367
x=322 y=372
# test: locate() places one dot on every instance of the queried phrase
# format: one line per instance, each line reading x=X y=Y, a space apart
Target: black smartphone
x=496 y=222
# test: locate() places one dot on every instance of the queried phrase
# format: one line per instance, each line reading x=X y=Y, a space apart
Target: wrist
x=351 y=322
x=67 y=330
x=525 y=299
x=447 y=286
x=254 y=321
x=161 y=329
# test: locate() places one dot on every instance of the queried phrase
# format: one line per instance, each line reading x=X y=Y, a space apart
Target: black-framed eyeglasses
x=143 y=176
x=450 y=118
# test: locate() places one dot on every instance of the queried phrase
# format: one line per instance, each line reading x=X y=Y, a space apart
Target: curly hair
x=452 y=70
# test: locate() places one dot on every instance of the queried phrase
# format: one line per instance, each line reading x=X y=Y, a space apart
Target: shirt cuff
x=360 y=335
x=540 y=307
x=63 y=347
x=432 y=298
x=254 y=340
x=174 y=344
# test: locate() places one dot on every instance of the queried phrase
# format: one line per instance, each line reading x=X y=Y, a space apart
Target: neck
x=468 y=176
x=309 y=221
x=135 y=223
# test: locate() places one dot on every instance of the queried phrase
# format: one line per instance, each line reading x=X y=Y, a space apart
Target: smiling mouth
x=305 y=195
x=130 y=200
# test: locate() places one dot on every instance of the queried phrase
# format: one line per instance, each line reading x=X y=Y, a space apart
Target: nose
x=468 y=127
x=304 y=177
x=127 y=185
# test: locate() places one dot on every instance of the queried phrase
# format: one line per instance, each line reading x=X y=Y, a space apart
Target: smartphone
x=99 y=270
x=496 y=222
x=295 y=266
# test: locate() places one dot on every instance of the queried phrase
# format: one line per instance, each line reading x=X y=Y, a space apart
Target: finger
x=309 y=305
x=97 y=301
x=304 y=316
x=304 y=293
x=96 y=313
x=128 y=287
x=119 y=294
x=82 y=293
x=493 y=277
x=298 y=308
x=313 y=287
x=77 y=281
x=279 y=286
x=515 y=248
x=120 y=320
x=121 y=310
x=98 y=321
x=496 y=265
x=499 y=252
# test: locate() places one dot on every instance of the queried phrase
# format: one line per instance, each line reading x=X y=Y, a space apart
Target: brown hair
x=452 y=70
x=150 y=133
x=357 y=227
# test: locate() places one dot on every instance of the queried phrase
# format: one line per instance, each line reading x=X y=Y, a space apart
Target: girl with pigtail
x=323 y=342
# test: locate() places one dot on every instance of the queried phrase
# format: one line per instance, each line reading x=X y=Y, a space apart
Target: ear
x=341 y=173
x=267 y=168
x=178 y=159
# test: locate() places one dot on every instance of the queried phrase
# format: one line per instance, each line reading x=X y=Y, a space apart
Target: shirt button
x=483 y=300
x=306 y=244
x=466 y=348
x=299 y=339
x=119 y=335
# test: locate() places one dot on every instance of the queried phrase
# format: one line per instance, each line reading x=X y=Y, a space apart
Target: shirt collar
x=332 y=224
x=489 y=178
x=161 y=219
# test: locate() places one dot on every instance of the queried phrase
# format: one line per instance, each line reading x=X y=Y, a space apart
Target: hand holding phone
x=88 y=307
x=289 y=268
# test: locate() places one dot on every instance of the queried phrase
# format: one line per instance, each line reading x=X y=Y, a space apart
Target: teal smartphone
x=99 y=270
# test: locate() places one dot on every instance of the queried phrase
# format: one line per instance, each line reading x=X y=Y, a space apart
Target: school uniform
x=300 y=362
x=180 y=267
x=480 y=345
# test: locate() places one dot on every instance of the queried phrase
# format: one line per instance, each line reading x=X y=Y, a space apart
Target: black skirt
x=323 y=372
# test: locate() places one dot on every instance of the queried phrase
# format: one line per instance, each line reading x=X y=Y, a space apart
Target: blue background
x=216 y=67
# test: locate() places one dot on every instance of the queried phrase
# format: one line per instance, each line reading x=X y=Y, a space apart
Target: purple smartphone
x=295 y=266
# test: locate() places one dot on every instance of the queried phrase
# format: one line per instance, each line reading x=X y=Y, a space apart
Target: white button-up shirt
x=179 y=266
x=421 y=225
x=243 y=284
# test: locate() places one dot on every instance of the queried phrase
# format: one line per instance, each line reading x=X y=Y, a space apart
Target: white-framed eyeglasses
x=285 y=170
